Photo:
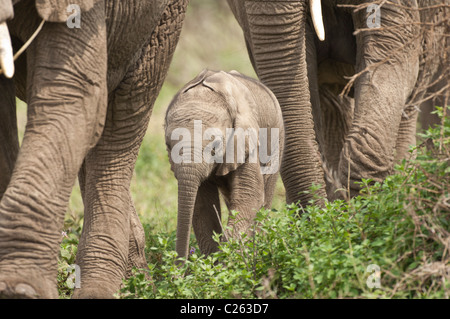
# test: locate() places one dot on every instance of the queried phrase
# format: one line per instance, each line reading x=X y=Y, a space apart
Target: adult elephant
x=359 y=135
x=90 y=90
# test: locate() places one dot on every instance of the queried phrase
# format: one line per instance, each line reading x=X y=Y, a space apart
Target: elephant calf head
x=224 y=132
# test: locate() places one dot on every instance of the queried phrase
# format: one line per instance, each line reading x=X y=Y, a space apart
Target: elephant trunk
x=188 y=185
x=277 y=31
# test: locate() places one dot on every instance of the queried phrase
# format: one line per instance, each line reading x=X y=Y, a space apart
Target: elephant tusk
x=6 y=52
x=317 y=18
x=7 y=63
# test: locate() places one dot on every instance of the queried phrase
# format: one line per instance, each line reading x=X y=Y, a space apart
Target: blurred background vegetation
x=211 y=38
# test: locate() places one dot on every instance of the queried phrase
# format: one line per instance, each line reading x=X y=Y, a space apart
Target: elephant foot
x=27 y=286
x=98 y=292
x=19 y=289
x=92 y=287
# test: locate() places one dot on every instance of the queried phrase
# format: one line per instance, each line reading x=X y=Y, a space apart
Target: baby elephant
x=224 y=131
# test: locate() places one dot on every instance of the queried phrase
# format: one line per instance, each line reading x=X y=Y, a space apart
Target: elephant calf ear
x=241 y=106
x=57 y=10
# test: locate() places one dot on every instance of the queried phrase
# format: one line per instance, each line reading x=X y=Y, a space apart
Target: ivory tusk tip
x=8 y=72
x=321 y=36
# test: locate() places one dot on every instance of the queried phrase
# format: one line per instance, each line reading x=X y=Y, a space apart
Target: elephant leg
x=112 y=242
x=206 y=217
x=66 y=108
x=406 y=134
x=105 y=180
x=246 y=196
x=136 y=243
x=9 y=143
x=269 y=189
x=270 y=177
x=136 y=257
x=390 y=58
x=337 y=113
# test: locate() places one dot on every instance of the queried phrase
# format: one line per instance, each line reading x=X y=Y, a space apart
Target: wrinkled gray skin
x=436 y=97
x=363 y=134
x=221 y=100
x=90 y=93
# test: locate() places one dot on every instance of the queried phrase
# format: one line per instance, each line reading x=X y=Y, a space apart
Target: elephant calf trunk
x=187 y=194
